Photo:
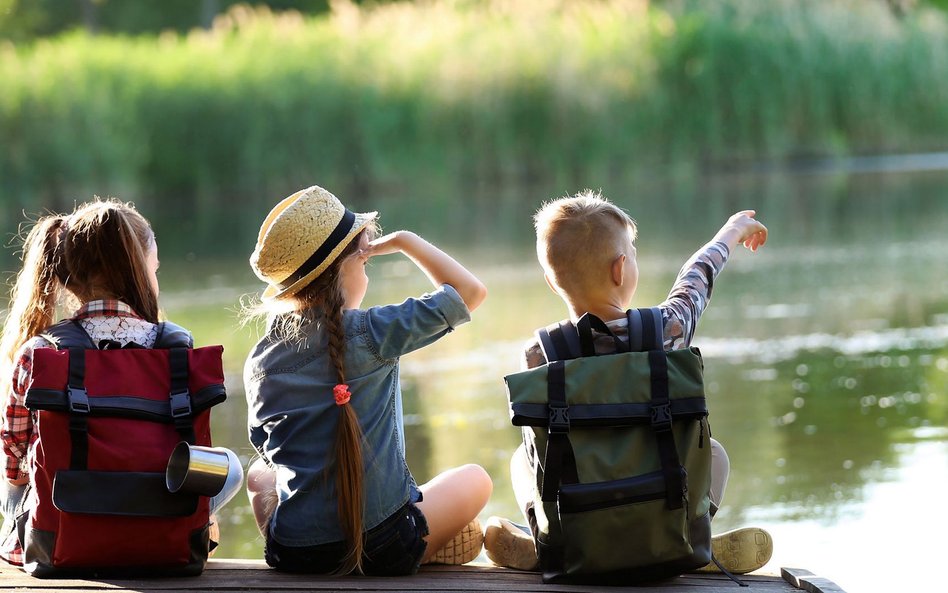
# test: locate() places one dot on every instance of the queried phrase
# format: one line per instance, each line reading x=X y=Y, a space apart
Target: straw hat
x=300 y=237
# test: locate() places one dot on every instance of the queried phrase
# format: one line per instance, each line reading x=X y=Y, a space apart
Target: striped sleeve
x=691 y=293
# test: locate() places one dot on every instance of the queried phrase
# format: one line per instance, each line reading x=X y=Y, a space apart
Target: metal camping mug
x=196 y=470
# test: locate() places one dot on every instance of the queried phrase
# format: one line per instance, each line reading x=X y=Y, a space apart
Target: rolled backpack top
x=107 y=422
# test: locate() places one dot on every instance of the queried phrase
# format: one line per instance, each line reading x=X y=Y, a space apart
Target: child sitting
x=102 y=259
x=585 y=245
x=332 y=492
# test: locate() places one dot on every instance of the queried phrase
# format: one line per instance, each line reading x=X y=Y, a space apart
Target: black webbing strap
x=587 y=342
x=180 y=395
x=661 y=421
x=69 y=335
x=659 y=324
x=559 y=462
x=585 y=327
x=78 y=410
x=652 y=334
x=648 y=331
x=634 y=317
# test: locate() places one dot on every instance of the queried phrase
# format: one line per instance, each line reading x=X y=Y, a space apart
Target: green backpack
x=624 y=454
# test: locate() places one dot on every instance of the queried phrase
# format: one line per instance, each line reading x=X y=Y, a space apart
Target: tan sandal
x=465 y=546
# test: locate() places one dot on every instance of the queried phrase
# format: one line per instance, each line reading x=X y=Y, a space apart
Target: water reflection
x=830 y=420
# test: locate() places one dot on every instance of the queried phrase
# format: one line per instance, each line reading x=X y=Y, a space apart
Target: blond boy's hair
x=578 y=238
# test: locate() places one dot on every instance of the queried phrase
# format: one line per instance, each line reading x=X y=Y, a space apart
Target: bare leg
x=451 y=501
x=522 y=480
x=261 y=490
x=739 y=550
x=720 y=468
x=506 y=543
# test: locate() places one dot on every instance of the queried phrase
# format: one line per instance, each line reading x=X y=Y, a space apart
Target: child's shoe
x=508 y=544
x=465 y=546
x=740 y=551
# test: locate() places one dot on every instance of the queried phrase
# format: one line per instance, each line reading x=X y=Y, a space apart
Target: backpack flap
x=142 y=392
x=612 y=390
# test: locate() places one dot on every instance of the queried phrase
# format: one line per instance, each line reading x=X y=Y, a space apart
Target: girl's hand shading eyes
x=385 y=245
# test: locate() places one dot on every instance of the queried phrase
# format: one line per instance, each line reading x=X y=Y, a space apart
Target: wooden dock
x=253 y=575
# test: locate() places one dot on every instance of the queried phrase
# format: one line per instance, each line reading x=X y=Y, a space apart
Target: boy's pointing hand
x=743 y=228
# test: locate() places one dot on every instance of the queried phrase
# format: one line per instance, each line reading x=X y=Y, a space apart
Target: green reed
x=427 y=105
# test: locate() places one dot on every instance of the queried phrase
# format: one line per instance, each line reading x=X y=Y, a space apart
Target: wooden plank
x=228 y=575
x=806 y=580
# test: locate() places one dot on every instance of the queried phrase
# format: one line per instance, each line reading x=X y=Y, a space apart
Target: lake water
x=826 y=356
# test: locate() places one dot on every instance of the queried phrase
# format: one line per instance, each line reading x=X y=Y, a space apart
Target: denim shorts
x=393 y=547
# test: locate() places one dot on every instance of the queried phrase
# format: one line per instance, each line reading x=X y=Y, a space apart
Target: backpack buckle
x=559 y=419
x=180 y=404
x=78 y=400
x=660 y=417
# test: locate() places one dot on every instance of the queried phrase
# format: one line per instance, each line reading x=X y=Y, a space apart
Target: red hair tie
x=342 y=394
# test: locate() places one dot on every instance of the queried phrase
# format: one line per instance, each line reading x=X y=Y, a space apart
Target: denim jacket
x=292 y=415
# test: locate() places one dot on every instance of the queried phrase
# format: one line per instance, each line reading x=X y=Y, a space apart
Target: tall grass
x=422 y=106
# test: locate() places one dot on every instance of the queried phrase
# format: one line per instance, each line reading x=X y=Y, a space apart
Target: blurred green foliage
x=22 y=20
x=27 y=19
x=427 y=105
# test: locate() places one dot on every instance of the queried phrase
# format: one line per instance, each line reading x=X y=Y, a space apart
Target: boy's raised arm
x=691 y=292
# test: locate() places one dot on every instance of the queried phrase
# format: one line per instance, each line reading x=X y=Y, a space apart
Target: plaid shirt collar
x=105 y=308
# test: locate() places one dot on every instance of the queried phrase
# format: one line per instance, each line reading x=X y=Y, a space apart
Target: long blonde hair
x=98 y=251
x=322 y=302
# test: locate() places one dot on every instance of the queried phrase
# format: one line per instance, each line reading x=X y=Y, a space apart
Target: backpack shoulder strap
x=172 y=335
x=559 y=341
x=68 y=333
x=646 y=330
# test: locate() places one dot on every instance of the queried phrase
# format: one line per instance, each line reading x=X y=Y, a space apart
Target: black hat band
x=332 y=241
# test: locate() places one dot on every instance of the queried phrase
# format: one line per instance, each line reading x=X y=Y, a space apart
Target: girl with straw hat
x=331 y=491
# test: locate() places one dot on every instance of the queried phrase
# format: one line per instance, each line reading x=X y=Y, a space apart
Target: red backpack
x=107 y=421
